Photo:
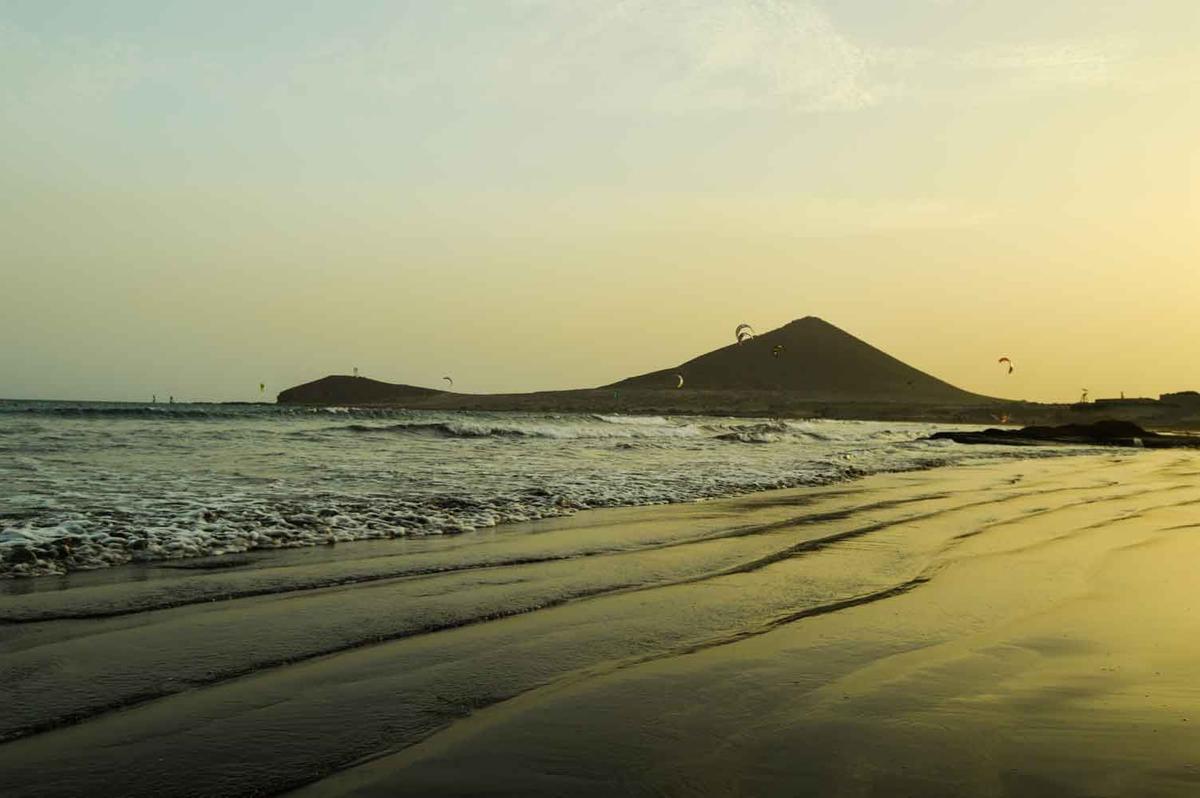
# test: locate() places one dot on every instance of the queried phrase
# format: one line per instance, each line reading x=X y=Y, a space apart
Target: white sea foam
x=89 y=486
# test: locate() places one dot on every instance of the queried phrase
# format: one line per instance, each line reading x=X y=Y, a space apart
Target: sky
x=200 y=197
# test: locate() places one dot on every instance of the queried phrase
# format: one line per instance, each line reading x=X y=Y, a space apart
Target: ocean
x=87 y=485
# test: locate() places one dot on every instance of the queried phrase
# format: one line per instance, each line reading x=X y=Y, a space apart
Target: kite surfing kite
x=680 y=378
x=1009 y=362
x=743 y=332
x=447 y=379
x=777 y=350
x=1083 y=398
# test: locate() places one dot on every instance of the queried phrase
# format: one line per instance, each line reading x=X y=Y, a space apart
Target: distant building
x=1189 y=399
x=1139 y=401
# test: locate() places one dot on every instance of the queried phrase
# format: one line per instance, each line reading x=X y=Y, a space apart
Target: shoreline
x=251 y=556
x=318 y=554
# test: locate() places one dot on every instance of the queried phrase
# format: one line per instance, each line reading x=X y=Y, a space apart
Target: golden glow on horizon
x=548 y=195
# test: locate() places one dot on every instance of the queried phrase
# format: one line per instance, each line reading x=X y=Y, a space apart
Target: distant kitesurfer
x=743 y=332
x=447 y=379
x=1009 y=362
x=777 y=350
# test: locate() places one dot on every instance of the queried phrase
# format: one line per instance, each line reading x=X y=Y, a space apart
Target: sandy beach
x=1015 y=628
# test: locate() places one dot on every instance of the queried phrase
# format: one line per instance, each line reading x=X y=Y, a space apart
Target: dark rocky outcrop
x=1102 y=433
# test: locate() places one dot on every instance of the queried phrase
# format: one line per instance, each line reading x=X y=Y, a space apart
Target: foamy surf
x=93 y=485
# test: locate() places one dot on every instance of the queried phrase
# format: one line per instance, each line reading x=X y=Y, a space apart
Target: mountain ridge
x=805 y=366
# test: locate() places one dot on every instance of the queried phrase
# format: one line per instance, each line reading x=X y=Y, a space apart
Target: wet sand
x=1022 y=628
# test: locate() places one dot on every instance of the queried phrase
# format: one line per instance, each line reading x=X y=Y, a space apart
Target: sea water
x=90 y=485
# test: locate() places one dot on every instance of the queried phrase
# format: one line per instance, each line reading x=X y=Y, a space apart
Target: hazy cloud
x=71 y=70
x=699 y=55
x=627 y=56
x=633 y=55
x=1057 y=63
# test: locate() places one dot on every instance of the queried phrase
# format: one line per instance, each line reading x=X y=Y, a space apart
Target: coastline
x=334 y=476
x=710 y=403
x=249 y=687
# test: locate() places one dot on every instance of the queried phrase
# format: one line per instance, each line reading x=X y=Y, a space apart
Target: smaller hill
x=342 y=389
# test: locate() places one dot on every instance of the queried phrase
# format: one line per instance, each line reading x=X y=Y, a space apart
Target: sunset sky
x=535 y=194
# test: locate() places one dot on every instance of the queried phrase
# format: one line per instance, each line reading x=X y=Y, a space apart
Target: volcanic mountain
x=803 y=368
x=810 y=358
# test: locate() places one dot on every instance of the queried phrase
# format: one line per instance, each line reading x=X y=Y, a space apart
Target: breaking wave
x=90 y=486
